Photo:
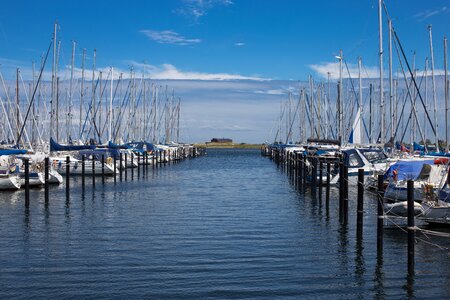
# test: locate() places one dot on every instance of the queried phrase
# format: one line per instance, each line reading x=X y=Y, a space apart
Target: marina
x=121 y=178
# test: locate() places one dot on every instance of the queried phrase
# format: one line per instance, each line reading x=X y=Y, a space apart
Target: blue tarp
x=111 y=145
x=407 y=169
x=12 y=152
x=54 y=146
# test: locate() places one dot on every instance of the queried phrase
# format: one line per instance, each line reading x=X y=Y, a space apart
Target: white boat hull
x=9 y=183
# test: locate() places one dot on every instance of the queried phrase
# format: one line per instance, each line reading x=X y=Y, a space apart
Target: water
x=227 y=225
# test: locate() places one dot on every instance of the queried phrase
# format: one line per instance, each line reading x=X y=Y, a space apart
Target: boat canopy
x=54 y=146
x=12 y=151
x=410 y=169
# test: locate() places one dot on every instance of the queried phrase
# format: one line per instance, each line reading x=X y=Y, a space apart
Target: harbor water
x=226 y=225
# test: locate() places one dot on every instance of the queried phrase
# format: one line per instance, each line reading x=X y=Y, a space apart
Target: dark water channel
x=226 y=225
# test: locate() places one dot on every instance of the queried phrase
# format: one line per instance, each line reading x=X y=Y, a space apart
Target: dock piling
x=411 y=228
x=360 y=204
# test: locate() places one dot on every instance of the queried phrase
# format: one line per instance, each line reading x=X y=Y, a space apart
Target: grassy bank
x=230 y=145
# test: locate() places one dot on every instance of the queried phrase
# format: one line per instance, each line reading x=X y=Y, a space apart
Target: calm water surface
x=227 y=225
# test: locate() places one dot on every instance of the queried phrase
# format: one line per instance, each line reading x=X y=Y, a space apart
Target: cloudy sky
x=231 y=61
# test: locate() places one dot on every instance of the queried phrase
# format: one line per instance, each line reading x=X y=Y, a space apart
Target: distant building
x=221 y=140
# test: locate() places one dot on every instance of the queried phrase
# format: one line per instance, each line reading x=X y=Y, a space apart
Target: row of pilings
x=145 y=162
x=315 y=173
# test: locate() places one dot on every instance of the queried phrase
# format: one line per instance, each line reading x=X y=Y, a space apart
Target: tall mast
x=446 y=94
x=100 y=107
x=17 y=107
x=53 y=99
x=69 y=114
x=93 y=92
x=110 y=104
x=360 y=91
x=426 y=98
x=341 y=106
x=82 y=91
x=391 y=100
x=380 y=25
x=434 y=89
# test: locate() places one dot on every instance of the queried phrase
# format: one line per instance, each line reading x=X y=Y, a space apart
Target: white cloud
x=422 y=16
x=272 y=92
x=169 y=37
x=168 y=71
x=195 y=9
x=333 y=69
x=240 y=44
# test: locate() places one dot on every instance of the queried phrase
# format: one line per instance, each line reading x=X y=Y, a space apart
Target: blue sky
x=219 y=39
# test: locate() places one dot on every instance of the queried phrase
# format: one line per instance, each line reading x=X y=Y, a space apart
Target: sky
x=231 y=61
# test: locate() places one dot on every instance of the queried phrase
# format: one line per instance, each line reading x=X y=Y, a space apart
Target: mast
x=93 y=91
x=380 y=24
x=100 y=107
x=340 y=102
x=391 y=85
x=69 y=115
x=82 y=91
x=360 y=91
x=426 y=97
x=52 y=109
x=446 y=94
x=17 y=107
x=433 y=83
x=370 y=114
x=110 y=104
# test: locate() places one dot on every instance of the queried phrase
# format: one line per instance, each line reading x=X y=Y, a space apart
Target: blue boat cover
x=54 y=146
x=407 y=169
x=12 y=151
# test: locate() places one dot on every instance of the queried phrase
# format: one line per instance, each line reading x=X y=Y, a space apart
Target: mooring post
x=320 y=178
x=67 y=174
x=27 y=181
x=120 y=165
x=83 y=170
x=154 y=158
x=46 y=174
x=138 y=156
x=132 y=165
x=126 y=166
x=103 y=168
x=327 y=192
x=341 y=189
x=360 y=204
x=380 y=221
x=305 y=170
x=93 y=170
x=300 y=170
x=345 y=194
x=115 y=167
x=411 y=227
x=165 y=153
x=314 y=177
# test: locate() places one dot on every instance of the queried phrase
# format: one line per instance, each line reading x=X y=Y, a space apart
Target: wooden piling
x=103 y=168
x=320 y=178
x=327 y=191
x=46 y=177
x=27 y=181
x=411 y=227
x=360 y=204
x=115 y=167
x=132 y=165
x=341 y=189
x=380 y=213
x=345 y=194
x=67 y=175
x=300 y=170
x=120 y=165
x=83 y=170
x=126 y=166
x=314 y=177
x=93 y=170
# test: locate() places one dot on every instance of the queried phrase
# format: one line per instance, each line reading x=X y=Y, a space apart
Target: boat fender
x=441 y=161
x=395 y=175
